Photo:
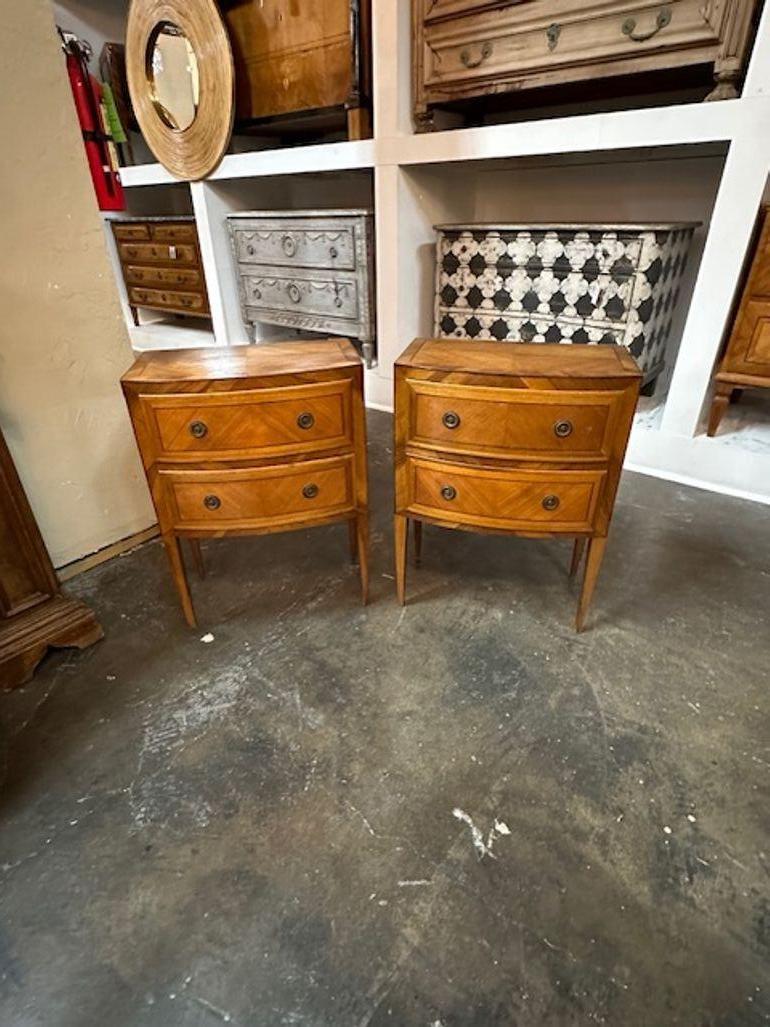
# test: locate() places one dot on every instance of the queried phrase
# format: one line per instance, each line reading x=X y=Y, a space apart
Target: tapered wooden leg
x=362 y=545
x=197 y=555
x=417 y=525
x=596 y=547
x=722 y=394
x=174 y=553
x=577 y=556
x=353 y=540
x=400 y=527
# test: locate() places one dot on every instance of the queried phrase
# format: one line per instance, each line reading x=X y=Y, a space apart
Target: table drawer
x=294 y=420
x=512 y=500
x=163 y=276
x=130 y=232
x=158 y=253
x=323 y=243
x=256 y=497
x=173 y=300
x=322 y=295
x=517 y=423
x=173 y=233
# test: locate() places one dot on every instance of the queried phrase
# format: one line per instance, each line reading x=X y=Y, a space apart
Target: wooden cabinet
x=307 y=269
x=249 y=440
x=308 y=63
x=519 y=439
x=466 y=49
x=161 y=265
x=746 y=362
x=34 y=613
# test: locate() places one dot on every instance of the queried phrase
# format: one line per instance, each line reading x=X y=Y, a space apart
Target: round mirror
x=172 y=75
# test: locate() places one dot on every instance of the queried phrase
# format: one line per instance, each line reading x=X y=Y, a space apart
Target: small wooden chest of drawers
x=249 y=440
x=513 y=438
x=161 y=264
x=307 y=269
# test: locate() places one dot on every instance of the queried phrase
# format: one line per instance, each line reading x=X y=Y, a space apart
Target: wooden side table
x=34 y=613
x=513 y=438
x=746 y=362
x=249 y=440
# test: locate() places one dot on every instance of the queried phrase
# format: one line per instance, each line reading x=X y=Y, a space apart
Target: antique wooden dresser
x=247 y=440
x=34 y=613
x=746 y=362
x=563 y=283
x=302 y=64
x=161 y=264
x=513 y=438
x=469 y=49
x=307 y=269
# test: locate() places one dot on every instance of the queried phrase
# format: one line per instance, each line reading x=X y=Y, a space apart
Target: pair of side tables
x=520 y=439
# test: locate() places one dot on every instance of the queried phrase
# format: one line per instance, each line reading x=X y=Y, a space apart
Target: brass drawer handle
x=310 y=491
x=563 y=429
x=212 y=502
x=471 y=62
x=663 y=19
x=449 y=492
x=451 y=420
x=198 y=430
x=551 y=503
x=289 y=245
x=305 y=420
x=294 y=294
x=552 y=34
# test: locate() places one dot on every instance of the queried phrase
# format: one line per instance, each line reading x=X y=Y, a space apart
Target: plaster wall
x=63 y=341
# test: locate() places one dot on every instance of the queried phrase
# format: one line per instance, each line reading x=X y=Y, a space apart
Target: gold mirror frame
x=194 y=152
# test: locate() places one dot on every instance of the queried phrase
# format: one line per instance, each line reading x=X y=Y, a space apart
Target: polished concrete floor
x=458 y=813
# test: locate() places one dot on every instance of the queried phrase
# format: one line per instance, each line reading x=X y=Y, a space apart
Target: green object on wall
x=113 y=118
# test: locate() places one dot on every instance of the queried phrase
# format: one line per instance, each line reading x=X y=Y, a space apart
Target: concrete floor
x=260 y=830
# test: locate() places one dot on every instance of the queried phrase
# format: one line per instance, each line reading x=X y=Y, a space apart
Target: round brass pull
x=562 y=429
x=212 y=502
x=310 y=491
x=451 y=419
x=289 y=244
x=305 y=420
x=551 y=503
x=294 y=294
x=449 y=492
x=198 y=429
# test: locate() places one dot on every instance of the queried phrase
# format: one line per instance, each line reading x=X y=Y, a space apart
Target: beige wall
x=63 y=342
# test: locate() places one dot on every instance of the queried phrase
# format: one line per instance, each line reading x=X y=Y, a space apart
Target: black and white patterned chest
x=563 y=283
x=307 y=269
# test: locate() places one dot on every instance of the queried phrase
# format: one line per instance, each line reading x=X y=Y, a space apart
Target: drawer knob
x=451 y=419
x=474 y=62
x=449 y=492
x=212 y=502
x=563 y=429
x=294 y=294
x=663 y=19
x=551 y=503
x=310 y=491
x=289 y=245
x=198 y=430
x=305 y=420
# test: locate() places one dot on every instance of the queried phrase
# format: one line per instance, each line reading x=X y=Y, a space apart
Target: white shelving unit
x=706 y=161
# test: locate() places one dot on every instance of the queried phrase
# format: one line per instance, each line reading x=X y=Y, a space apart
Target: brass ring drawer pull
x=451 y=419
x=663 y=19
x=310 y=491
x=198 y=430
x=563 y=429
x=449 y=492
x=212 y=502
x=474 y=62
x=551 y=503
x=294 y=294
x=289 y=245
x=305 y=420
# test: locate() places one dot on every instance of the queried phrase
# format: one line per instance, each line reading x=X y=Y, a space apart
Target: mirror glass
x=172 y=73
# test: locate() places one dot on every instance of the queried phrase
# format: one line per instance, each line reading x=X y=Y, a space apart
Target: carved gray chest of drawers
x=563 y=283
x=307 y=269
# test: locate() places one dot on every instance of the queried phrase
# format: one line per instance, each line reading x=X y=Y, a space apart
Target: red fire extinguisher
x=100 y=149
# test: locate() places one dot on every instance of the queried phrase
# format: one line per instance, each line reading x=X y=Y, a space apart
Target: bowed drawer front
x=246 y=440
x=311 y=270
